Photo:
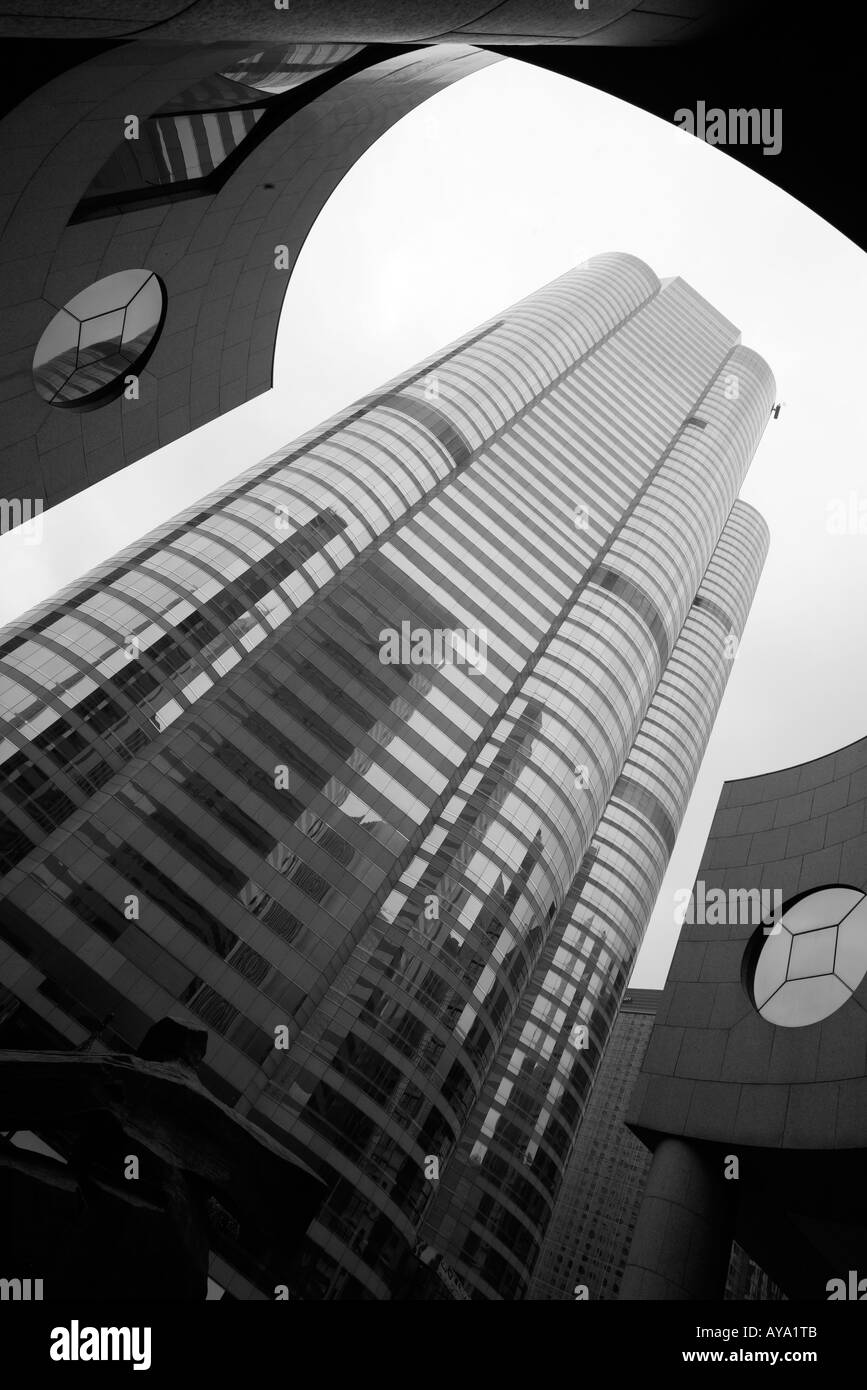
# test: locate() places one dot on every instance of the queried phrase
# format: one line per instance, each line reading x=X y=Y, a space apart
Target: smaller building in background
x=591 y=1229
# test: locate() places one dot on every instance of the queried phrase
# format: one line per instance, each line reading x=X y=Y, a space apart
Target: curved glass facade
x=382 y=749
x=498 y=1195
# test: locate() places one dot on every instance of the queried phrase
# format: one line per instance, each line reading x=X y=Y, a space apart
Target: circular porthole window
x=811 y=960
x=96 y=340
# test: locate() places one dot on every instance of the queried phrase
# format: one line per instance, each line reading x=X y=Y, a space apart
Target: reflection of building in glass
x=746 y=1282
x=278 y=69
x=193 y=133
x=94 y=341
x=404 y=897
x=757 y=1056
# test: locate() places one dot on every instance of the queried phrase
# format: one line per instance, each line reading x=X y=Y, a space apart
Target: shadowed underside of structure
x=615 y=22
x=150 y=1173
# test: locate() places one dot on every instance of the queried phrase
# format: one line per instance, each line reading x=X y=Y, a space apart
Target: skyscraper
x=373 y=762
x=499 y=1190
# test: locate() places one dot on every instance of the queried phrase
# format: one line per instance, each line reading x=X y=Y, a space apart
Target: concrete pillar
x=684 y=1231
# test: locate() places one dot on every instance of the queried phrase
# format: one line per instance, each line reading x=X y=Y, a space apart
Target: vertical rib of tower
x=491 y=1213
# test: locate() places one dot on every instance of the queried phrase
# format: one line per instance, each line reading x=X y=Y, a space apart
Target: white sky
x=488 y=191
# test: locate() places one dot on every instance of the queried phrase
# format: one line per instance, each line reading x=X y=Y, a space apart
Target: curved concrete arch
x=791 y=830
x=214 y=252
x=720 y=1081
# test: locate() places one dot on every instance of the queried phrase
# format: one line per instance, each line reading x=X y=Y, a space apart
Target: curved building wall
x=215 y=245
x=226 y=790
x=777 y=1091
x=715 y=1069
